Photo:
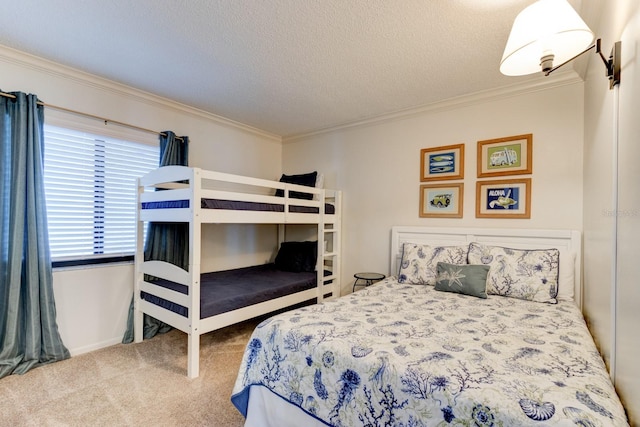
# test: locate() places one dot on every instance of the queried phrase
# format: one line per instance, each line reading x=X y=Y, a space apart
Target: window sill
x=84 y=264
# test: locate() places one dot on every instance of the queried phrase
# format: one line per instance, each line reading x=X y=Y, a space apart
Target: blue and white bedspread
x=408 y=355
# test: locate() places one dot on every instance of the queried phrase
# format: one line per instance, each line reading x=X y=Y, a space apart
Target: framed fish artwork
x=442 y=163
x=508 y=198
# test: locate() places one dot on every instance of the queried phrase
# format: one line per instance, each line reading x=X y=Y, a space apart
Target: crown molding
x=42 y=65
x=45 y=66
x=557 y=80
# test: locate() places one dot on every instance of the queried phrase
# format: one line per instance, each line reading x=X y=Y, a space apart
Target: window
x=90 y=187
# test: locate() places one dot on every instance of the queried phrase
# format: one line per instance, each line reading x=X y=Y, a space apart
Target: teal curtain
x=28 y=331
x=165 y=241
x=170 y=241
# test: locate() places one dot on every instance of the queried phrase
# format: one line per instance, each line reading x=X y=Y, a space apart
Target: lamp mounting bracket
x=612 y=64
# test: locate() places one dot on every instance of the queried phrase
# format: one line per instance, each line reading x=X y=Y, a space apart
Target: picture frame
x=507 y=198
x=441 y=200
x=505 y=156
x=442 y=163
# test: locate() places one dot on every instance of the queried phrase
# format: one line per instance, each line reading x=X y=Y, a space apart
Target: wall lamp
x=551 y=31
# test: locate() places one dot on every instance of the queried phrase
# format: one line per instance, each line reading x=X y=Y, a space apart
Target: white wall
x=92 y=303
x=617 y=335
x=378 y=167
x=627 y=375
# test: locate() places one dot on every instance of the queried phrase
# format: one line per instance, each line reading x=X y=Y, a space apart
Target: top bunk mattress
x=223 y=291
x=238 y=205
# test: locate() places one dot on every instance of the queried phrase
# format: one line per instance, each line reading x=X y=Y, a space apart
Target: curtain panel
x=165 y=241
x=28 y=330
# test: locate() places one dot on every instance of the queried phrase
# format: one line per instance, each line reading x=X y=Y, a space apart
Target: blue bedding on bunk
x=236 y=205
x=228 y=290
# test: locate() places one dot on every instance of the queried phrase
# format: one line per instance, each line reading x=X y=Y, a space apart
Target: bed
x=197 y=302
x=408 y=352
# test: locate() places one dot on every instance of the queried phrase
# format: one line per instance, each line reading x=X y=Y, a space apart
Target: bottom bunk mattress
x=409 y=355
x=223 y=291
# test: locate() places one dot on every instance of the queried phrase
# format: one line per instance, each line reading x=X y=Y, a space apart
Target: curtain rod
x=105 y=120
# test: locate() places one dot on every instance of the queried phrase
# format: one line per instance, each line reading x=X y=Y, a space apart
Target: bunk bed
x=424 y=349
x=198 y=302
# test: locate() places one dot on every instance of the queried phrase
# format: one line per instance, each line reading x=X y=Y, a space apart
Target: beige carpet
x=132 y=385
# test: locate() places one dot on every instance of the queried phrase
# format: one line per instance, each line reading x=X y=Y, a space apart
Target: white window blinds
x=90 y=186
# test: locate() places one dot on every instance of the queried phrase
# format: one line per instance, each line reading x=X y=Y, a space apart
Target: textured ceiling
x=287 y=67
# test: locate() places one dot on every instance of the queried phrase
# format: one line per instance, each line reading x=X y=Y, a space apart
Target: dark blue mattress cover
x=237 y=205
x=223 y=291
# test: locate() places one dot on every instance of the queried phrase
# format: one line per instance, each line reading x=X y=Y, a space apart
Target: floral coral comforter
x=408 y=355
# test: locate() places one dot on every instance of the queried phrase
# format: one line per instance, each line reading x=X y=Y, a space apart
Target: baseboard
x=76 y=351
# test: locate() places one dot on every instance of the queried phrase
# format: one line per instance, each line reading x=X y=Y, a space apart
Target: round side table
x=366 y=279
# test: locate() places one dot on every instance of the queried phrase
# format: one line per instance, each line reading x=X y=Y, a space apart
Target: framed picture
x=508 y=198
x=505 y=156
x=441 y=200
x=442 y=163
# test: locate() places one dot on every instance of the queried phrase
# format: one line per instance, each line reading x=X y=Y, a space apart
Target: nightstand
x=366 y=279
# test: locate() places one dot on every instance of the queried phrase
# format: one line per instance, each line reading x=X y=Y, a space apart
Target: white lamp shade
x=546 y=27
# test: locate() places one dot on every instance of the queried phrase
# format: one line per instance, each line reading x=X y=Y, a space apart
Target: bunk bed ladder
x=337 y=244
x=321 y=260
x=329 y=249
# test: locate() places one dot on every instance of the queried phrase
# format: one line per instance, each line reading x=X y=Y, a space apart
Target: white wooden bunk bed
x=197 y=197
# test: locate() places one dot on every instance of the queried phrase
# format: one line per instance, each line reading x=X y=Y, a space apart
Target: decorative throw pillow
x=462 y=279
x=297 y=256
x=306 y=179
x=418 y=264
x=525 y=274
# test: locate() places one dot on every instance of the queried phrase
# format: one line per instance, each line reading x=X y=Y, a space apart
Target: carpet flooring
x=141 y=384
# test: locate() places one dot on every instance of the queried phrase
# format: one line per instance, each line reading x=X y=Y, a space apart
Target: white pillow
x=566 y=279
x=319 y=184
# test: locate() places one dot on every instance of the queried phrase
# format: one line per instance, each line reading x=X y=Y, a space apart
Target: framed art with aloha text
x=508 y=198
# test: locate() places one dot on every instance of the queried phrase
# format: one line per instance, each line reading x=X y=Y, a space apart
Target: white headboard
x=567 y=241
